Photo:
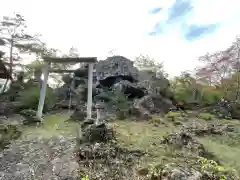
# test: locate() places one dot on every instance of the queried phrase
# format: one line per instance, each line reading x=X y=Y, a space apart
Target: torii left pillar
x=43 y=91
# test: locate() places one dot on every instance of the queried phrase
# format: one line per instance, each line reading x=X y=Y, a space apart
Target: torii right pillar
x=90 y=85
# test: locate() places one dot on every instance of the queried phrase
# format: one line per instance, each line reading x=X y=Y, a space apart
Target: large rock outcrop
x=145 y=92
x=115 y=69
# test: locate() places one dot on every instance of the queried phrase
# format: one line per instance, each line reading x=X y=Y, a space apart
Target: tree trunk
x=238 y=87
x=238 y=72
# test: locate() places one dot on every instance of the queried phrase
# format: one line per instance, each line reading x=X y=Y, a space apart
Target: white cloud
x=96 y=27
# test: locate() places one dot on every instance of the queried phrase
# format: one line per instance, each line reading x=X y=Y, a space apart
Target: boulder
x=152 y=104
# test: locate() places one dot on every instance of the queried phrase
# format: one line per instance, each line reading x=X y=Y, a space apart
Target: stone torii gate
x=47 y=62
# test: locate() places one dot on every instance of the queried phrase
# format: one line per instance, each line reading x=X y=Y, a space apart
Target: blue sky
x=176 y=32
x=179 y=13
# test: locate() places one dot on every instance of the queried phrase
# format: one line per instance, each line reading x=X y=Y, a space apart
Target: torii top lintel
x=70 y=59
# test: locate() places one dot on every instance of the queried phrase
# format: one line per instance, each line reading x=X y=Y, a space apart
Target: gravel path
x=39 y=159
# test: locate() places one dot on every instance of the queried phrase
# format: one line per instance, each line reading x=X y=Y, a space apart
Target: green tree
x=234 y=56
x=152 y=75
x=13 y=33
x=16 y=40
x=186 y=88
x=146 y=63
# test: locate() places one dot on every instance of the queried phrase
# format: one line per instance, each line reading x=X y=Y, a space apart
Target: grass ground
x=53 y=125
x=146 y=136
x=143 y=136
x=227 y=147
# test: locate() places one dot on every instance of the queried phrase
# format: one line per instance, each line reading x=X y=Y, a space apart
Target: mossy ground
x=146 y=136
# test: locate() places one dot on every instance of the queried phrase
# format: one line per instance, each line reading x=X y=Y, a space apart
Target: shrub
x=29 y=98
x=206 y=116
x=214 y=171
x=85 y=178
x=181 y=94
x=211 y=96
x=203 y=95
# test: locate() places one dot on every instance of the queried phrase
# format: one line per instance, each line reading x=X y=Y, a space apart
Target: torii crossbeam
x=47 y=62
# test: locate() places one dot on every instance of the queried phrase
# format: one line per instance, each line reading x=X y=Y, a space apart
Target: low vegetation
x=146 y=137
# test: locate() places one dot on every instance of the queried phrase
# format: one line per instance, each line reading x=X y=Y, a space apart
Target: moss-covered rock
x=173 y=115
x=7 y=133
x=30 y=117
x=97 y=133
x=206 y=116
